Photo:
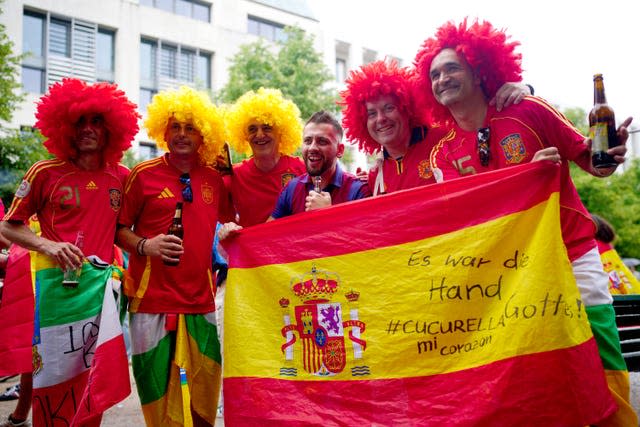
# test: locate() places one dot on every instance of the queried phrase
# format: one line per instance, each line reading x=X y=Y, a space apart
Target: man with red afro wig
x=76 y=197
x=381 y=115
x=459 y=69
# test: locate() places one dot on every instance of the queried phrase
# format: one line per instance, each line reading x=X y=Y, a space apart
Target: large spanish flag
x=452 y=304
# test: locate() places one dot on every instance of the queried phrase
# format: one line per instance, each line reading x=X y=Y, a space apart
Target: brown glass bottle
x=602 y=125
x=176 y=229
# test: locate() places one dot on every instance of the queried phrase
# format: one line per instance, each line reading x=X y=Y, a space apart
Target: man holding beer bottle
x=325 y=183
x=176 y=353
x=78 y=192
x=457 y=74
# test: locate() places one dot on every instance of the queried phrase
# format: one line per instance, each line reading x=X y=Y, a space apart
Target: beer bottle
x=176 y=229
x=317 y=184
x=602 y=125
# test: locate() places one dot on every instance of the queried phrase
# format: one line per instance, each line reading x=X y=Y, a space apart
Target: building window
x=148 y=150
x=203 y=70
x=33 y=64
x=168 y=56
x=175 y=65
x=267 y=29
x=105 y=55
x=49 y=57
x=341 y=70
x=189 y=8
x=60 y=37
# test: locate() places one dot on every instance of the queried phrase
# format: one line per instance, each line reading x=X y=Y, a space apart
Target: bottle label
x=600 y=137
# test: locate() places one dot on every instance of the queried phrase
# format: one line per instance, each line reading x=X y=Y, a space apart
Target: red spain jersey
x=149 y=204
x=516 y=134
x=254 y=193
x=411 y=170
x=68 y=200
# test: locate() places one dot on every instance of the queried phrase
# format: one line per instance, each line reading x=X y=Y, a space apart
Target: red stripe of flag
x=504 y=393
x=460 y=203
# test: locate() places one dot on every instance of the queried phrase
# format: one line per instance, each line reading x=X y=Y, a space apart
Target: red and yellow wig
x=60 y=109
x=487 y=50
x=368 y=83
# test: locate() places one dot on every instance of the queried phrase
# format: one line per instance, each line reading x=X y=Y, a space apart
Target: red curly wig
x=368 y=83
x=487 y=51
x=59 y=110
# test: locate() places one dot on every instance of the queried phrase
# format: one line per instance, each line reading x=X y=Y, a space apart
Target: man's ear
x=340 y=150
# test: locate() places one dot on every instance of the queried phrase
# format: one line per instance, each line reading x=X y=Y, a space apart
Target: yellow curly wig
x=187 y=104
x=266 y=106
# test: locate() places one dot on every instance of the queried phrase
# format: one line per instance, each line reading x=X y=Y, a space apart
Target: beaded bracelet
x=140 y=246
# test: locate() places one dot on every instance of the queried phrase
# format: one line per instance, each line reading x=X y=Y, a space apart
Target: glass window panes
x=32 y=34
x=252 y=26
x=204 y=70
x=165 y=5
x=341 y=70
x=146 y=3
x=105 y=50
x=187 y=65
x=60 y=37
x=268 y=30
x=148 y=51
x=146 y=95
x=201 y=11
x=183 y=7
x=148 y=150
x=32 y=80
x=280 y=35
x=168 y=61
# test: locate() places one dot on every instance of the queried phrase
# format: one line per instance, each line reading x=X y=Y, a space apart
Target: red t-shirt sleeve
x=131 y=201
x=28 y=196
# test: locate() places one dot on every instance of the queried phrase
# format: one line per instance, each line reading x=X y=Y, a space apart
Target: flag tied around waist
x=451 y=304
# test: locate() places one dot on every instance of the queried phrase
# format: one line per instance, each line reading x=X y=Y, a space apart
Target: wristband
x=140 y=246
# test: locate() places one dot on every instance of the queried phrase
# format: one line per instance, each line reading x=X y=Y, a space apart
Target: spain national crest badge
x=513 y=148
x=115 y=198
x=320 y=323
x=424 y=169
x=207 y=193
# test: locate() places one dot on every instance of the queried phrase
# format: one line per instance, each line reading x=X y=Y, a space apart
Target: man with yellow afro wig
x=267 y=126
x=169 y=280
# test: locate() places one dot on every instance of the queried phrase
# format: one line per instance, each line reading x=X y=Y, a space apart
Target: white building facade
x=148 y=45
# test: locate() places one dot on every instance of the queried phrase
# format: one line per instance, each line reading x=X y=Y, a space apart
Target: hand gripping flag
x=451 y=304
x=79 y=356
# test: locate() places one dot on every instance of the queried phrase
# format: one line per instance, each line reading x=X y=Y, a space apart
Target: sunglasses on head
x=482 y=138
x=187 y=192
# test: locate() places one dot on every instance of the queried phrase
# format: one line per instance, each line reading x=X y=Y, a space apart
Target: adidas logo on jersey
x=91 y=186
x=166 y=194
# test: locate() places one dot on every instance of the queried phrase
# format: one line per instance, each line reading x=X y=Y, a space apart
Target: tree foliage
x=9 y=64
x=18 y=151
x=295 y=68
x=617 y=199
x=578 y=117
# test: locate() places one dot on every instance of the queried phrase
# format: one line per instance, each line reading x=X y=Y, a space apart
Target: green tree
x=18 y=151
x=578 y=117
x=617 y=199
x=294 y=67
x=9 y=84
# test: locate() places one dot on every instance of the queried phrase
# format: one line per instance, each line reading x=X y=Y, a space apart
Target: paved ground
x=128 y=413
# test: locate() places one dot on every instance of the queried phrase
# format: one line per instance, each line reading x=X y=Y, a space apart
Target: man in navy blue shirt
x=325 y=182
